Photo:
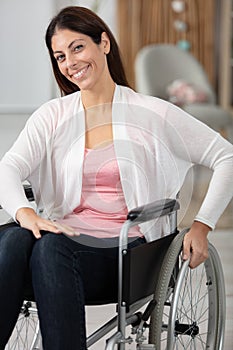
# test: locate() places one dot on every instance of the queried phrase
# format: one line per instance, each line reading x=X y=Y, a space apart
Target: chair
x=183 y=308
x=157 y=66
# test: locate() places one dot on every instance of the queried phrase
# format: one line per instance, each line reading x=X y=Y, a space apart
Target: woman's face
x=79 y=59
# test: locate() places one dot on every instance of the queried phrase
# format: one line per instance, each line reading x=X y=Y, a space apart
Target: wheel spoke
x=25 y=330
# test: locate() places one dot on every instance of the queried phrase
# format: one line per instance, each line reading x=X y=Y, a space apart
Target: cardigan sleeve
x=12 y=196
x=21 y=161
x=205 y=147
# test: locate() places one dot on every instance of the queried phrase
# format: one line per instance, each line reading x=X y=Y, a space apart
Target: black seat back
x=141 y=267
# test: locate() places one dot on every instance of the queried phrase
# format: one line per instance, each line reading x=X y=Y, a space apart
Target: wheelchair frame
x=167 y=292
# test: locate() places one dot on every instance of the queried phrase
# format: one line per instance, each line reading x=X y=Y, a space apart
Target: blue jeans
x=66 y=275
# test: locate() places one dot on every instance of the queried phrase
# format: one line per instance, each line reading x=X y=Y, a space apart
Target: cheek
x=62 y=69
x=101 y=61
x=95 y=57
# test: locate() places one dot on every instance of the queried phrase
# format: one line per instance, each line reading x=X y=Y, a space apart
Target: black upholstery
x=141 y=266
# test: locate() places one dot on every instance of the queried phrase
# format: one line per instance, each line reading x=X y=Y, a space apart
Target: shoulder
x=65 y=104
x=151 y=103
x=57 y=110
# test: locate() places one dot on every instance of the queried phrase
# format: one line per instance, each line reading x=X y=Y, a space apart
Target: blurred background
x=200 y=28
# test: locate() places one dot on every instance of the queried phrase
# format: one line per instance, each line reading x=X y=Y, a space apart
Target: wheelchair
x=164 y=303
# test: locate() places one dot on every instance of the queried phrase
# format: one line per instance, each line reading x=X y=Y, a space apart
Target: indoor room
x=179 y=51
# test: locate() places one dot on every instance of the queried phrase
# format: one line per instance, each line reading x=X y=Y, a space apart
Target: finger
x=69 y=231
x=50 y=226
x=36 y=233
x=33 y=228
x=195 y=261
x=198 y=258
x=72 y=233
x=186 y=249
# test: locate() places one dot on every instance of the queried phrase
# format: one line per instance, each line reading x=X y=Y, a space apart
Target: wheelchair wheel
x=190 y=310
x=26 y=335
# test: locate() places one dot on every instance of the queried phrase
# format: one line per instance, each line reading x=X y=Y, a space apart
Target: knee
x=45 y=250
x=47 y=262
x=16 y=242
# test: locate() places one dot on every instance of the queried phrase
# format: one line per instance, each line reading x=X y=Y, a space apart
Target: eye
x=59 y=58
x=78 y=47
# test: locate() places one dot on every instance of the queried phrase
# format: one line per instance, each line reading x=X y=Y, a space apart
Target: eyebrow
x=69 y=46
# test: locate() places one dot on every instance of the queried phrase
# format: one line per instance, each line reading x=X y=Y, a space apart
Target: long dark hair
x=84 y=21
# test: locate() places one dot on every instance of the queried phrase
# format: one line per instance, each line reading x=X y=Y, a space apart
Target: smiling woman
x=91 y=156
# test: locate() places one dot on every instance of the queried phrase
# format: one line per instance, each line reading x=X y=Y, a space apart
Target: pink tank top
x=102 y=209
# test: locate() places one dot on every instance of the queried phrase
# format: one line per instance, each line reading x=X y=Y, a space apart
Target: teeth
x=77 y=75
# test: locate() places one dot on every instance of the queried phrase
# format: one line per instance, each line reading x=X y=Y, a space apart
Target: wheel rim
x=193 y=314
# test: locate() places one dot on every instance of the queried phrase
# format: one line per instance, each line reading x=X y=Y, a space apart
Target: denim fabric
x=66 y=275
x=15 y=251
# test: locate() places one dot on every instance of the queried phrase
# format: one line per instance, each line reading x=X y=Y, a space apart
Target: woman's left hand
x=195 y=244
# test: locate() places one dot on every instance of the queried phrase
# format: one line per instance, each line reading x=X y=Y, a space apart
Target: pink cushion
x=181 y=92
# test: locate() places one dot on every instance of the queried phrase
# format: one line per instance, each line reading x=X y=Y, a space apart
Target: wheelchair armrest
x=153 y=210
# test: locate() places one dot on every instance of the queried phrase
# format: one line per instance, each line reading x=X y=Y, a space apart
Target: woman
x=90 y=156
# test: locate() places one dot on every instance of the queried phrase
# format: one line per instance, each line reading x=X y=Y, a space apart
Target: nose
x=70 y=61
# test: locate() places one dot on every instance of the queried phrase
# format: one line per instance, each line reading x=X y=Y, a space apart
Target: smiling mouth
x=79 y=74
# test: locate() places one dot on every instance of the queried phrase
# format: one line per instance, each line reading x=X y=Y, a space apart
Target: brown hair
x=84 y=21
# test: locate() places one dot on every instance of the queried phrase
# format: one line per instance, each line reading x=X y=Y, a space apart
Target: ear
x=105 y=43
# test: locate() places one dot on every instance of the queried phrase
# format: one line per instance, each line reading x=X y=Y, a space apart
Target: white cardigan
x=155 y=143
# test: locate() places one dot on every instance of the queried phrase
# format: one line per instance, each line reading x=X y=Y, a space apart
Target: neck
x=92 y=98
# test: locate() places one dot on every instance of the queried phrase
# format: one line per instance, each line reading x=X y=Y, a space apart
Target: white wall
x=25 y=68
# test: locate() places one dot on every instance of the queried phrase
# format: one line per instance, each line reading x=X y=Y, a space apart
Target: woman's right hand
x=28 y=219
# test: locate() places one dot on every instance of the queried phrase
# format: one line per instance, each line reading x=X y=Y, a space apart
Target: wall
x=25 y=69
